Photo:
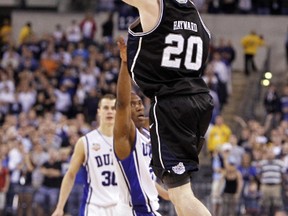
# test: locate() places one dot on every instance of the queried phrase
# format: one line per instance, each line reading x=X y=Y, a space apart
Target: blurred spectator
x=46 y=196
x=38 y=157
x=218 y=134
x=27 y=60
x=26 y=96
x=73 y=33
x=220 y=155
x=88 y=28
x=236 y=151
x=14 y=164
x=285 y=160
x=10 y=58
x=244 y=137
x=59 y=35
x=81 y=51
x=272 y=105
x=36 y=45
x=271 y=171
x=212 y=82
x=90 y=102
x=4 y=181
x=251 y=197
x=224 y=78
x=232 y=191
x=49 y=61
x=249 y=175
x=89 y=77
x=74 y=200
x=284 y=103
x=7 y=92
x=108 y=28
x=45 y=101
x=5 y=32
x=25 y=33
x=25 y=189
x=250 y=44
x=63 y=101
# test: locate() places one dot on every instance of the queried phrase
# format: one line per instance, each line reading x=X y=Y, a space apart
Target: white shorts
x=98 y=210
x=126 y=210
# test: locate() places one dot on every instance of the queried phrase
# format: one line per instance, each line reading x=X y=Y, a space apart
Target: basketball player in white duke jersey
x=132 y=147
x=167 y=49
x=95 y=152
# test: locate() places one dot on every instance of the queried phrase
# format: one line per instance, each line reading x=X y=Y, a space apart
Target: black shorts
x=177 y=128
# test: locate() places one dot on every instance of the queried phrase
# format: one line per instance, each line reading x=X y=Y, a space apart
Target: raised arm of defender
x=124 y=128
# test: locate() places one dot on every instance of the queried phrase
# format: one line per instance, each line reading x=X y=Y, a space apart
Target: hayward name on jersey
x=169 y=59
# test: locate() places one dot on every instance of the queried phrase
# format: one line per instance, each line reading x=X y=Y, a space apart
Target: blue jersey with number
x=101 y=187
x=170 y=58
x=137 y=180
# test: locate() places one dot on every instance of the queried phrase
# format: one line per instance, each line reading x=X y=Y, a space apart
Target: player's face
x=106 y=111
x=137 y=111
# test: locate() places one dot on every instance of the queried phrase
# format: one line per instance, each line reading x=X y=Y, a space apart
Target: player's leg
x=183 y=197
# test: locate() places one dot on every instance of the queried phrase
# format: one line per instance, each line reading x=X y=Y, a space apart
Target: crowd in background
x=50 y=86
x=260 y=7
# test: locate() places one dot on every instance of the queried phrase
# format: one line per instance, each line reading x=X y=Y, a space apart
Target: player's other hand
x=58 y=212
x=123 y=48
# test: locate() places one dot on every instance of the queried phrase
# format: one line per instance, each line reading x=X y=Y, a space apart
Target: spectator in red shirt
x=88 y=28
x=4 y=185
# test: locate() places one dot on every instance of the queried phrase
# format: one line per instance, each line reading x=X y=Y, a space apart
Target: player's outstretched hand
x=123 y=48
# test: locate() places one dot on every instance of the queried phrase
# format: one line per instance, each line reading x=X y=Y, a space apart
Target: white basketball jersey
x=101 y=187
x=138 y=194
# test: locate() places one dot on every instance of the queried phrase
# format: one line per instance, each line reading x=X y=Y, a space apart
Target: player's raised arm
x=134 y=3
x=149 y=12
x=124 y=128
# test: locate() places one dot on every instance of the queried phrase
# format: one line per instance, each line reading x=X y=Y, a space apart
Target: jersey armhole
x=86 y=150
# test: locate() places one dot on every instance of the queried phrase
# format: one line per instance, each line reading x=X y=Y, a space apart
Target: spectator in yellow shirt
x=218 y=135
x=25 y=33
x=5 y=32
x=250 y=44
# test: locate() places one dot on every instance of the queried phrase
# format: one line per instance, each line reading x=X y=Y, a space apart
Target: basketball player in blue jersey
x=95 y=152
x=167 y=49
x=137 y=186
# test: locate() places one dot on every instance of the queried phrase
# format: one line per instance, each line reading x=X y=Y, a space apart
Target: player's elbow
x=70 y=175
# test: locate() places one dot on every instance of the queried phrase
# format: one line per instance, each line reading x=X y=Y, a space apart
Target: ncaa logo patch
x=179 y=168
x=95 y=146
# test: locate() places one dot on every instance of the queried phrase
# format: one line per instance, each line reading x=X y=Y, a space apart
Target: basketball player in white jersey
x=137 y=186
x=94 y=152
